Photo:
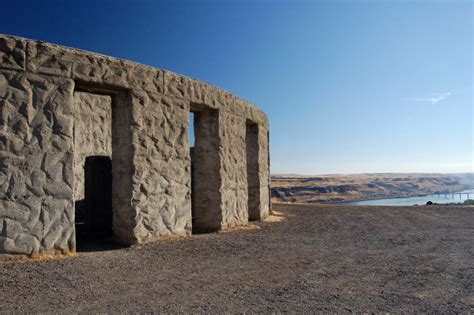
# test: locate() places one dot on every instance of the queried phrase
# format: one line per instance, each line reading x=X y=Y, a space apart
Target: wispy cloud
x=433 y=99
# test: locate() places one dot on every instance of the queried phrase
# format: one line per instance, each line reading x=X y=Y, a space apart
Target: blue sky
x=349 y=86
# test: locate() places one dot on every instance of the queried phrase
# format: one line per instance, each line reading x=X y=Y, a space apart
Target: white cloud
x=433 y=99
x=446 y=167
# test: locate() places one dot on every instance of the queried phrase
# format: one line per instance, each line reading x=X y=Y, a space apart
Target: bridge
x=454 y=194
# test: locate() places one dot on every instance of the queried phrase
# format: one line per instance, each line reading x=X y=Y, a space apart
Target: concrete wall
x=92 y=133
x=233 y=170
x=36 y=164
x=46 y=91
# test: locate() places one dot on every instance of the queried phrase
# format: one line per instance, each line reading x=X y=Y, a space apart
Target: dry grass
x=246 y=227
x=37 y=258
x=337 y=188
x=275 y=216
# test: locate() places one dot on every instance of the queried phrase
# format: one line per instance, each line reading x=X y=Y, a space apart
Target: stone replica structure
x=96 y=146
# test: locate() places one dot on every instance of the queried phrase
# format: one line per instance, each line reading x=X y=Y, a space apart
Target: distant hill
x=338 y=188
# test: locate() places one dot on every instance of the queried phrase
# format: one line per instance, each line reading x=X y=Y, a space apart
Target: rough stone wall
x=233 y=171
x=264 y=171
x=124 y=213
x=92 y=133
x=36 y=164
x=162 y=180
x=151 y=159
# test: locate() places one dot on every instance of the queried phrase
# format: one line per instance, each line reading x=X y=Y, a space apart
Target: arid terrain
x=332 y=258
x=341 y=188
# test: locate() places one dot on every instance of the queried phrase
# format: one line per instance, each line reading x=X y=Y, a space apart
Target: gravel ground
x=320 y=258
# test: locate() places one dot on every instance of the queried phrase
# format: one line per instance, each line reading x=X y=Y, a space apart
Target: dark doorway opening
x=94 y=212
x=191 y=153
x=253 y=181
x=103 y=169
x=205 y=163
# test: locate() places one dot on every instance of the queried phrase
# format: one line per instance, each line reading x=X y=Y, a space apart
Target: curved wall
x=59 y=105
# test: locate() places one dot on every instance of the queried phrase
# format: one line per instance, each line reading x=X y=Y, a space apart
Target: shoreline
x=343 y=189
x=350 y=202
x=414 y=196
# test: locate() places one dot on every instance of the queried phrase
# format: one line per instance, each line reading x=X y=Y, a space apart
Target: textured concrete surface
x=59 y=105
x=92 y=133
x=36 y=141
x=329 y=259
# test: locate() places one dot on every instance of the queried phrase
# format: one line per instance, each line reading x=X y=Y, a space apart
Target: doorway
x=253 y=180
x=93 y=170
x=205 y=166
x=94 y=217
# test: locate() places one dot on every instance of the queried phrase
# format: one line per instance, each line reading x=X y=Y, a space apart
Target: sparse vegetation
x=339 y=188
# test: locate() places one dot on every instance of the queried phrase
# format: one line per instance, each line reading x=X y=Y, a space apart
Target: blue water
x=422 y=200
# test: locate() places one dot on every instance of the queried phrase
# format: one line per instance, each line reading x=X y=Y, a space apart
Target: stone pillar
x=36 y=158
x=258 y=174
x=124 y=214
x=264 y=172
x=233 y=171
x=161 y=174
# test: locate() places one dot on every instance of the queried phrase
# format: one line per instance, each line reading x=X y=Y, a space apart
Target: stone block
x=44 y=58
x=12 y=53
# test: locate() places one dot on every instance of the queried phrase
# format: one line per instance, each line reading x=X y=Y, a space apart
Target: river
x=420 y=200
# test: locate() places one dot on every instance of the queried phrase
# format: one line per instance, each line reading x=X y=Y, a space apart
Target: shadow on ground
x=96 y=244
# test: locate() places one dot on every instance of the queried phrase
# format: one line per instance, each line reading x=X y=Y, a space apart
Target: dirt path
x=321 y=258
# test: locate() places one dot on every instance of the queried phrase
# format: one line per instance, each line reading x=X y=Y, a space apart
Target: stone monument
x=96 y=145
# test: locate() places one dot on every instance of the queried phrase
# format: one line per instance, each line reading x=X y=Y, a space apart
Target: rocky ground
x=320 y=258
